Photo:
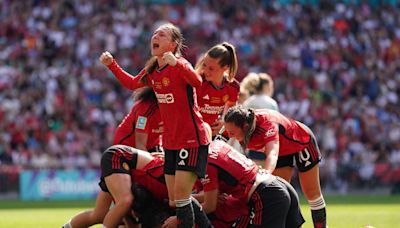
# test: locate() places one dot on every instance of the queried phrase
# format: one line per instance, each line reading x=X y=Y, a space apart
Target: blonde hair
x=254 y=83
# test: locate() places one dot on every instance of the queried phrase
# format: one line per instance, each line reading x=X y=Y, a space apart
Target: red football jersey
x=292 y=137
x=212 y=100
x=151 y=177
x=228 y=171
x=144 y=117
x=228 y=211
x=173 y=85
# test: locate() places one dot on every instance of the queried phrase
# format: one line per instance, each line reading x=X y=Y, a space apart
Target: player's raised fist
x=169 y=58
x=106 y=58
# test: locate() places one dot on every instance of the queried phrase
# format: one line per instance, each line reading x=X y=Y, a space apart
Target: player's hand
x=170 y=222
x=106 y=58
x=216 y=126
x=222 y=198
x=169 y=58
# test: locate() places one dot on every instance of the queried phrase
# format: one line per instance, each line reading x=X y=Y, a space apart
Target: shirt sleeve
x=271 y=132
x=210 y=181
x=188 y=73
x=142 y=119
x=127 y=80
x=234 y=91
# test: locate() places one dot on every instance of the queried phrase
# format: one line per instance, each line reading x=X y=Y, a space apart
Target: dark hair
x=177 y=37
x=144 y=94
x=241 y=116
x=226 y=54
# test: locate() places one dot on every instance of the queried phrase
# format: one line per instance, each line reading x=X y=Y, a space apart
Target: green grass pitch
x=343 y=212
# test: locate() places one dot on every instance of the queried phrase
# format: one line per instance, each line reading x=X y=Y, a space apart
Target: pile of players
x=197 y=179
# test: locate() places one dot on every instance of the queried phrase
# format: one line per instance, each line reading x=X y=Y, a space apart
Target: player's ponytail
x=226 y=54
x=233 y=63
x=251 y=121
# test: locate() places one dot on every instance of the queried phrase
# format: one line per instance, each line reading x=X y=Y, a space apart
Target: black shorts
x=276 y=205
x=256 y=155
x=305 y=159
x=156 y=149
x=117 y=159
x=189 y=159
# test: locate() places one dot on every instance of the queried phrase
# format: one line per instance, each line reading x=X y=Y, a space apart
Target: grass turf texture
x=343 y=212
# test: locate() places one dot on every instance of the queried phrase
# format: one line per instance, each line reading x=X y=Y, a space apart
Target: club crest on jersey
x=225 y=98
x=165 y=81
x=141 y=122
x=270 y=132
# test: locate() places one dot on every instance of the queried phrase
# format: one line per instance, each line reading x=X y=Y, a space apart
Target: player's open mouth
x=155 y=45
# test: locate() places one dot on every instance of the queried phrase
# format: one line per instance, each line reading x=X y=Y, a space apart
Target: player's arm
x=210 y=188
x=210 y=201
x=272 y=153
x=190 y=75
x=127 y=80
x=141 y=140
x=142 y=128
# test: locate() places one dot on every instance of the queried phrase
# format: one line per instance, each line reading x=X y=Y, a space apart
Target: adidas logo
x=182 y=162
x=206 y=97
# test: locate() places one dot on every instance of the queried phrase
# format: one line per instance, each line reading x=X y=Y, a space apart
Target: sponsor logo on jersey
x=165 y=98
x=270 y=132
x=157 y=85
x=141 y=122
x=212 y=110
x=206 y=97
x=215 y=100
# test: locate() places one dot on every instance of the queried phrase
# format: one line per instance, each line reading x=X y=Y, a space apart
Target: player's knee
x=125 y=201
x=312 y=193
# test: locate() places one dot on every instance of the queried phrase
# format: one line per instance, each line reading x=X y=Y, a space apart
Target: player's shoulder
x=234 y=84
x=183 y=60
x=146 y=108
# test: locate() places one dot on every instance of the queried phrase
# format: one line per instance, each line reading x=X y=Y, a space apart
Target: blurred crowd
x=336 y=67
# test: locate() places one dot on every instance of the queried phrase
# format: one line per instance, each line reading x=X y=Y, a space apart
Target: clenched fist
x=169 y=58
x=106 y=58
